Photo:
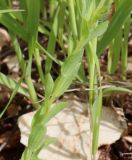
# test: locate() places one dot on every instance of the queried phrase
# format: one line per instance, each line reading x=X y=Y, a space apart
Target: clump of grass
x=79 y=25
x=119 y=47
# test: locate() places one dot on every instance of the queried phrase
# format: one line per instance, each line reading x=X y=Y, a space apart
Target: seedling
x=77 y=27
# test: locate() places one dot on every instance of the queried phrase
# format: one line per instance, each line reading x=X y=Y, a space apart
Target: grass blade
x=69 y=71
x=11 y=84
x=118 y=20
x=15 y=90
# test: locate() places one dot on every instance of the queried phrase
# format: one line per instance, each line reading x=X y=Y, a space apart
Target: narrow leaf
x=118 y=19
x=11 y=84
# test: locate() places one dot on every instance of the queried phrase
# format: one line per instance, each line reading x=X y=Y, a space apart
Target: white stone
x=72 y=129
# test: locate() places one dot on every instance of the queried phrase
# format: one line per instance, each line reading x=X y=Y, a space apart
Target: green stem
x=22 y=63
x=73 y=18
x=124 y=53
x=38 y=62
x=32 y=91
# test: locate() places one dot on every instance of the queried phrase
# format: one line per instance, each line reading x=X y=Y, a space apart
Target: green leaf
x=23 y=5
x=33 y=18
x=27 y=154
x=48 y=54
x=69 y=71
x=49 y=84
x=98 y=31
x=114 y=53
x=10 y=10
x=9 y=22
x=124 y=9
x=56 y=108
x=18 y=51
x=11 y=84
x=46 y=142
x=43 y=117
x=96 y=115
x=35 y=157
x=94 y=33
x=52 y=41
x=110 y=90
x=38 y=132
x=72 y=18
x=36 y=137
x=3 y=3
x=15 y=90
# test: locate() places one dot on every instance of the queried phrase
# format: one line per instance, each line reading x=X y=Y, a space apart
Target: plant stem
x=124 y=53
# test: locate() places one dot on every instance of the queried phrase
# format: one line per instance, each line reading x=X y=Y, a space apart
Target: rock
x=72 y=129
